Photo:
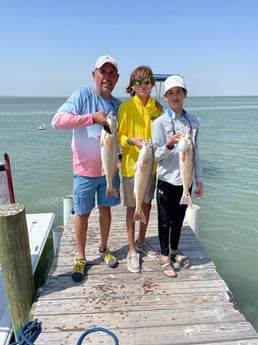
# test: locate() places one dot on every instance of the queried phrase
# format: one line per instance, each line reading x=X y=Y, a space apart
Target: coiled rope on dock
x=31 y=330
x=28 y=333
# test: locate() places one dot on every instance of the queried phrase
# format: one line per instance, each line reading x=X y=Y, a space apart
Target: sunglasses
x=139 y=82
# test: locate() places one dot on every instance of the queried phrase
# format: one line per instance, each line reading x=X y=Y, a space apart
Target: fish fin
x=186 y=200
x=142 y=166
x=108 y=142
x=139 y=215
x=183 y=157
x=111 y=192
x=139 y=165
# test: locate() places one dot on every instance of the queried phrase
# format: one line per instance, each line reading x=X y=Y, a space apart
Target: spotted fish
x=186 y=163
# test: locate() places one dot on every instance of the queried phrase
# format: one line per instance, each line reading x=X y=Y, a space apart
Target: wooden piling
x=16 y=263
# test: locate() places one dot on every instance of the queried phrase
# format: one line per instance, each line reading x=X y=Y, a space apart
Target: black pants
x=170 y=215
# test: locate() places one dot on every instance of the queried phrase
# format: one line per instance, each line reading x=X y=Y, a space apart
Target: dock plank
x=140 y=308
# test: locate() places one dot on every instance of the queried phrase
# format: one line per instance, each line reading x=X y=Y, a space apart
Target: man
x=85 y=113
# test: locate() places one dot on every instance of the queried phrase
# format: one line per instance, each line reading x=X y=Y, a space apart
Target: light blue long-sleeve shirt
x=168 y=124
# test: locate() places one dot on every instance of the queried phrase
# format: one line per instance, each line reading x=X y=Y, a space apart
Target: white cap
x=174 y=81
x=105 y=59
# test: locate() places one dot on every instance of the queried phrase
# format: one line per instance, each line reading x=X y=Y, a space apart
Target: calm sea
x=42 y=170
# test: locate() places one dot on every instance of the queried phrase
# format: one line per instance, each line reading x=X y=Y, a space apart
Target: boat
x=42 y=127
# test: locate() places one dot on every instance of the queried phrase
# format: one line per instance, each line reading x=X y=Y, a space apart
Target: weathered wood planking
x=140 y=308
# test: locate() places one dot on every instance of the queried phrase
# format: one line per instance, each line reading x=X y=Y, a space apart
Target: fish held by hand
x=187 y=167
x=142 y=178
x=109 y=153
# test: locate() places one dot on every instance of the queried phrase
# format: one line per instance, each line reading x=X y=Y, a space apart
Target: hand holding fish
x=137 y=142
x=100 y=117
x=198 y=193
x=173 y=140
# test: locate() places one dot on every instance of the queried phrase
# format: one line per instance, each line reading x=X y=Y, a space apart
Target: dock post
x=57 y=235
x=16 y=264
x=67 y=207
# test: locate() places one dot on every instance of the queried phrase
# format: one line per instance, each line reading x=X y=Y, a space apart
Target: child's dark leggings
x=170 y=215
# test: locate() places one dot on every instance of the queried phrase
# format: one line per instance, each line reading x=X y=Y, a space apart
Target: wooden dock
x=143 y=308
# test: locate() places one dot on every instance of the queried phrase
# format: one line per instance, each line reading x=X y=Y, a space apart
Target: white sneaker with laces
x=133 y=262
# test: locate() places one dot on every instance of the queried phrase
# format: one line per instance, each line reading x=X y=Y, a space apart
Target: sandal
x=167 y=268
x=181 y=259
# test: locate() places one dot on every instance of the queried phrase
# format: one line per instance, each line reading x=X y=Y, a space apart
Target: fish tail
x=111 y=192
x=139 y=215
x=186 y=199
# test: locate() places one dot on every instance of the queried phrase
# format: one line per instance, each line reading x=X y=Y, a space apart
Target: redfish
x=186 y=163
x=142 y=178
x=109 y=153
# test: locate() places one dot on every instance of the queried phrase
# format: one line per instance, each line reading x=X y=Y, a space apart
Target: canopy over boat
x=160 y=78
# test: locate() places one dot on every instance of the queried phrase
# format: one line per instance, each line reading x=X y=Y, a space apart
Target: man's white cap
x=105 y=59
x=174 y=81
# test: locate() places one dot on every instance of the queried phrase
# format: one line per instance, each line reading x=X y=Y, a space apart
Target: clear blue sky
x=49 y=47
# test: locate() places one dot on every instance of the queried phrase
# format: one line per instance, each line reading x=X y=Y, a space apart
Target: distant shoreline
x=15 y=96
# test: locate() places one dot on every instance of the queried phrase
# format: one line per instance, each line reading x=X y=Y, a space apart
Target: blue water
x=42 y=169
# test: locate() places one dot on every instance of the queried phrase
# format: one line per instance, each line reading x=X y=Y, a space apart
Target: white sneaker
x=133 y=262
x=147 y=249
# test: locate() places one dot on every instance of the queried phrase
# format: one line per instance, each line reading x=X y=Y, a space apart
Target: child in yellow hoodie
x=135 y=118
